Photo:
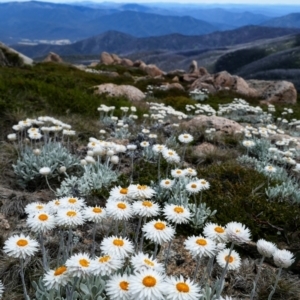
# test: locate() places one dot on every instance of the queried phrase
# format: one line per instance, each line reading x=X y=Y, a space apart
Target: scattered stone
x=193 y=68
x=126 y=62
x=175 y=79
x=113 y=90
x=106 y=59
x=152 y=70
x=53 y=57
x=3 y=223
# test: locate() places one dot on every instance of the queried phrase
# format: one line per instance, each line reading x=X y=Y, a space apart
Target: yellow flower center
x=124 y=285
x=160 y=226
x=57 y=202
x=178 y=209
x=185 y=136
x=72 y=200
x=43 y=217
x=182 y=287
x=167 y=182
x=71 y=213
x=203 y=182
x=178 y=172
x=170 y=153
x=124 y=191
x=84 y=262
x=118 y=242
x=22 y=243
x=229 y=259
x=60 y=270
x=121 y=205
x=147 y=204
x=201 y=242
x=142 y=187
x=237 y=231
x=97 y=210
x=39 y=206
x=193 y=185
x=104 y=259
x=149 y=281
x=219 y=229
x=148 y=262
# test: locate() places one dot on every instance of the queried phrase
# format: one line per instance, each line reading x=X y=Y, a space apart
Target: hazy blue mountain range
x=49 y=21
x=287 y=21
x=121 y=43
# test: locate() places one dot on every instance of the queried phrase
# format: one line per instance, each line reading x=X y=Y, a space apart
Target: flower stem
x=49 y=184
x=256 y=278
x=45 y=261
x=275 y=285
x=197 y=268
x=155 y=250
x=23 y=279
x=94 y=240
x=137 y=233
x=168 y=251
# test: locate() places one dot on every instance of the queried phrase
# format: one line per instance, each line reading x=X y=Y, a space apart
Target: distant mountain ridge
x=120 y=43
x=287 y=21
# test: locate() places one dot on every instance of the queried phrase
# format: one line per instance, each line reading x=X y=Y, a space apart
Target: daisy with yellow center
x=53 y=206
x=185 y=138
x=79 y=265
x=181 y=289
x=117 y=246
x=117 y=287
x=166 y=183
x=119 y=193
x=146 y=285
x=158 y=231
x=215 y=232
x=69 y=217
x=176 y=213
x=170 y=156
x=178 y=173
x=193 y=187
x=35 y=207
x=20 y=246
x=233 y=260
x=141 y=261
x=204 y=184
x=94 y=214
x=237 y=233
x=59 y=277
x=140 y=191
x=190 y=172
x=119 y=210
x=106 y=265
x=72 y=202
x=200 y=246
x=41 y=222
x=145 y=208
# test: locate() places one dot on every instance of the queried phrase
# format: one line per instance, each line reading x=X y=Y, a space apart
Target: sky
x=277 y=2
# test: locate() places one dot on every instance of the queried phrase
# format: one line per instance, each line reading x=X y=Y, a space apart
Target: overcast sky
x=280 y=2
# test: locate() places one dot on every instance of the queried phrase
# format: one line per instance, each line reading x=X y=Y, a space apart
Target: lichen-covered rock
x=126 y=62
x=106 y=59
x=113 y=90
x=222 y=125
x=53 y=57
x=193 y=68
x=152 y=70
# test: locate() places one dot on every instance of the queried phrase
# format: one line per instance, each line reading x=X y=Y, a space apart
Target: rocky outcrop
x=106 y=58
x=53 y=57
x=152 y=70
x=10 y=57
x=222 y=125
x=275 y=91
x=126 y=62
x=113 y=90
x=193 y=69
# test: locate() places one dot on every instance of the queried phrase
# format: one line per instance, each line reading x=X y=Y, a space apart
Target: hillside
x=120 y=43
x=287 y=21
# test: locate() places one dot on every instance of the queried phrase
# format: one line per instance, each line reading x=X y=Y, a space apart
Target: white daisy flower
x=248 y=144
x=106 y=265
x=190 y=172
x=158 y=148
x=117 y=246
x=119 y=210
x=79 y=265
x=158 y=231
x=117 y=287
x=234 y=260
x=146 y=285
x=270 y=169
x=41 y=222
x=265 y=248
x=35 y=207
x=177 y=173
x=185 y=138
x=283 y=258
x=141 y=192
x=45 y=171
x=54 y=279
x=193 y=187
x=53 y=206
x=141 y=261
x=237 y=233
x=166 y=183
x=177 y=214
x=204 y=184
x=170 y=156
x=20 y=246
x=144 y=144
x=94 y=214
x=215 y=232
x=131 y=147
x=180 y=289
x=69 y=217
x=72 y=202
x=145 y=208
x=35 y=136
x=200 y=246
x=119 y=194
